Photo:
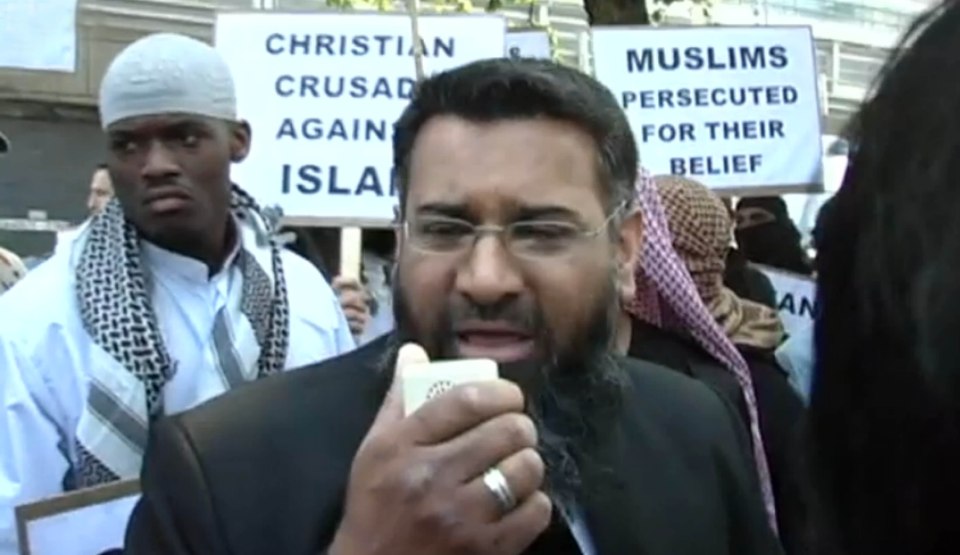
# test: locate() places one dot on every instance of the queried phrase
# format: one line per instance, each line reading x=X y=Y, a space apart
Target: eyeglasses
x=527 y=239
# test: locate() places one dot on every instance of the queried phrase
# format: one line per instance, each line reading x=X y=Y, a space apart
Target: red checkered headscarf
x=667 y=297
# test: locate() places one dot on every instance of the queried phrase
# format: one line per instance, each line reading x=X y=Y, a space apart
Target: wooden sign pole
x=413 y=8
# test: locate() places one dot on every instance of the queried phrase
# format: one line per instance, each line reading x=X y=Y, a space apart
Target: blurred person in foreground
x=885 y=403
x=516 y=182
x=175 y=293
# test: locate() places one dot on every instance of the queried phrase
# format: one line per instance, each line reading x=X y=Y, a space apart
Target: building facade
x=853 y=39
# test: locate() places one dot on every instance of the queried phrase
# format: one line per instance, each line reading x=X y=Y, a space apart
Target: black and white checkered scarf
x=113 y=294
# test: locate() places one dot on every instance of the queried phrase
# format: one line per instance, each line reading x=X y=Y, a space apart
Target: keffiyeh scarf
x=701 y=229
x=668 y=298
x=114 y=298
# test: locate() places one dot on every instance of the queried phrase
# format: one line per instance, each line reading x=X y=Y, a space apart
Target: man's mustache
x=515 y=312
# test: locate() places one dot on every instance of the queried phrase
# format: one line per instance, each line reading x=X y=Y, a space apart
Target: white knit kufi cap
x=166 y=73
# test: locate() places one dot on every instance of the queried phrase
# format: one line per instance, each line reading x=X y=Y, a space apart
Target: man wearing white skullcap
x=175 y=293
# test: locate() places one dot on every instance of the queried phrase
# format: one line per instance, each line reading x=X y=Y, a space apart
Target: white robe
x=45 y=354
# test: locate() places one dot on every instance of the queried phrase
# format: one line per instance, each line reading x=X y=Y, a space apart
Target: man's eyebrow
x=531 y=212
x=448 y=209
x=523 y=212
x=118 y=134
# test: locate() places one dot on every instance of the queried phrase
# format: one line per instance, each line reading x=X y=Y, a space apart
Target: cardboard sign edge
x=68 y=502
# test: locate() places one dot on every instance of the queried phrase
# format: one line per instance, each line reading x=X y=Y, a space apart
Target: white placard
x=796 y=297
x=732 y=107
x=38 y=34
x=534 y=43
x=85 y=522
x=322 y=92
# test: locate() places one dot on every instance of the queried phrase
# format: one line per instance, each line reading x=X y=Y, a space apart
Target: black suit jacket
x=780 y=410
x=263 y=470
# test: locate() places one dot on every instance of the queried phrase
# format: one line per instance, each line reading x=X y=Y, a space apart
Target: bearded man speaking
x=517 y=235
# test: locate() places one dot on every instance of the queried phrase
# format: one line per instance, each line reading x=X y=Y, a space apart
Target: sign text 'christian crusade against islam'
x=322 y=92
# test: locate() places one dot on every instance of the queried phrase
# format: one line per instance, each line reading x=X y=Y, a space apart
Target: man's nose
x=160 y=162
x=490 y=273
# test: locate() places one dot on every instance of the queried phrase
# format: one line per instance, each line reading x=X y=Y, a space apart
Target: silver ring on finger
x=497 y=483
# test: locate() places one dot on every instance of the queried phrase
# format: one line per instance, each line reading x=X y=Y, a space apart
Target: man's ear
x=240 y=136
x=629 y=244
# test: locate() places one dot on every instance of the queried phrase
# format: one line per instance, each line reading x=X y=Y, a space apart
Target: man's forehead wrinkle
x=462 y=195
x=495 y=172
x=510 y=164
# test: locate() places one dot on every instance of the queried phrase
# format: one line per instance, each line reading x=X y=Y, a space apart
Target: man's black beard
x=574 y=393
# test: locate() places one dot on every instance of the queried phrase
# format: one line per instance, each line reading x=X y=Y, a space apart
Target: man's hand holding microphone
x=460 y=475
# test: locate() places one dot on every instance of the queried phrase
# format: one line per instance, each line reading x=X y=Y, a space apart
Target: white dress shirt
x=45 y=354
x=67 y=237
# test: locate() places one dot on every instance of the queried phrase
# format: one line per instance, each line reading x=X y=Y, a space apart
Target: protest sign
x=322 y=92
x=528 y=43
x=85 y=522
x=796 y=297
x=733 y=107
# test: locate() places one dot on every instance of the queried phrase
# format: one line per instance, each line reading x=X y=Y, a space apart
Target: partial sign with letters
x=322 y=91
x=796 y=297
x=86 y=522
x=736 y=108
x=528 y=43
